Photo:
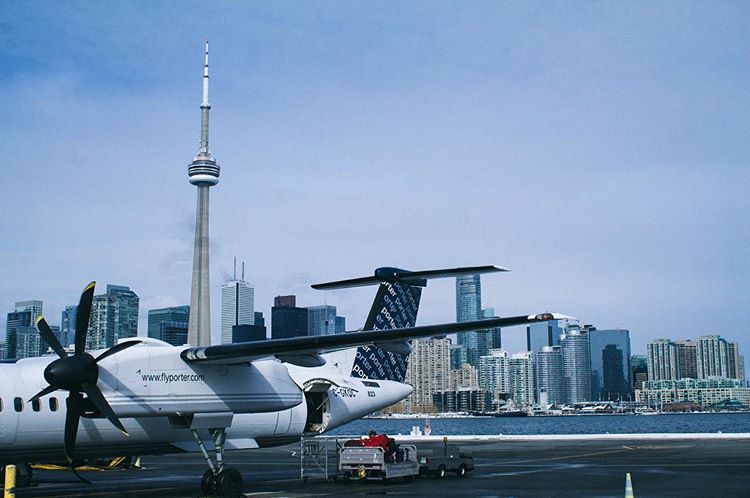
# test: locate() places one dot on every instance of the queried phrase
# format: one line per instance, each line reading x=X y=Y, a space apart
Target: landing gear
x=23 y=475
x=218 y=480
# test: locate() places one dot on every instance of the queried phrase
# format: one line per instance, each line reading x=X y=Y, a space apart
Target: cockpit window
x=369 y=383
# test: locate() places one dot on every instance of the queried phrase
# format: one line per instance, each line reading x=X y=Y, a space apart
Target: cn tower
x=203 y=172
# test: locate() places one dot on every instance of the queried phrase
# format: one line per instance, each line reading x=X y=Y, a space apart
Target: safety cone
x=628 y=486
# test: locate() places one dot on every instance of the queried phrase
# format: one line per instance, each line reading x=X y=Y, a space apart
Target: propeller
x=78 y=373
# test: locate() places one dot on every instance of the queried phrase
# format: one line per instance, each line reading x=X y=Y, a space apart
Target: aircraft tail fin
x=395 y=306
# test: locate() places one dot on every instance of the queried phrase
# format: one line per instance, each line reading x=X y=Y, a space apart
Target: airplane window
x=1 y=404
x=18 y=404
x=370 y=384
x=35 y=404
x=53 y=404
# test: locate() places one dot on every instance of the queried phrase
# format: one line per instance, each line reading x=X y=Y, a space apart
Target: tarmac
x=517 y=466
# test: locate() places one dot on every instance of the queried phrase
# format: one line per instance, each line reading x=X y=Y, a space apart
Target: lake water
x=581 y=424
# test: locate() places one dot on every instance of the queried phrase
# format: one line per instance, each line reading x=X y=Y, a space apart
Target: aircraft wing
x=305 y=351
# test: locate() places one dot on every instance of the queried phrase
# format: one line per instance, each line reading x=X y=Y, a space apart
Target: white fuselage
x=153 y=392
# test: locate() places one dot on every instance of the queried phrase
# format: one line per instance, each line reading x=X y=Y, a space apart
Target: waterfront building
x=114 y=316
x=29 y=343
x=287 y=320
x=712 y=357
x=464 y=400
x=169 y=324
x=237 y=305
x=321 y=320
x=610 y=363
x=709 y=393
x=428 y=372
x=521 y=376
x=736 y=361
x=662 y=361
x=576 y=356
x=68 y=325
x=203 y=172
x=340 y=324
x=548 y=369
x=469 y=307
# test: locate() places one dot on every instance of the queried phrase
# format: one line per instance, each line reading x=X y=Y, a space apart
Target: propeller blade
x=82 y=318
x=49 y=337
x=74 y=405
x=116 y=349
x=97 y=398
x=43 y=392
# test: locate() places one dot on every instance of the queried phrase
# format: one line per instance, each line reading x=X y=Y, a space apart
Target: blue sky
x=599 y=150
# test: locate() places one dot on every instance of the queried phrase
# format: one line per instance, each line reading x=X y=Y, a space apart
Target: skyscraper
x=662 y=361
x=321 y=320
x=576 y=365
x=638 y=371
x=736 y=362
x=203 y=172
x=541 y=334
x=68 y=325
x=493 y=337
x=287 y=320
x=713 y=357
x=549 y=375
x=237 y=305
x=469 y=307
x=169 y=324
x=114 y=316
x=610 y=363
x=687 y=359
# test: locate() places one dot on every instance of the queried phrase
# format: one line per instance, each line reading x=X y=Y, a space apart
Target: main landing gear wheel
x=208 y=483
x=229 y=483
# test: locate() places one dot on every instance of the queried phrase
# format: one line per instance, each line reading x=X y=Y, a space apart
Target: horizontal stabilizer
x=415 y=278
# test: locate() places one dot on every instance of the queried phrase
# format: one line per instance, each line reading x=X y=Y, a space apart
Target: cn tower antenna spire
x=203 y=172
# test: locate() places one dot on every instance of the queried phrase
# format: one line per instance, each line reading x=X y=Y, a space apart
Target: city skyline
x=619 y=176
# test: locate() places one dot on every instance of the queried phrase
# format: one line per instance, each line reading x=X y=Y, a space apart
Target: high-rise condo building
x=114 y=316
x=549 y=376
x=713 y=357
x=610 y=363
x=662 y=360
x=469 y=307
x=237 y=305
x=521 y=375
x=576 y=364
x=203 y=172
x=466 y=377
x=169 y=324
x=428 y=372
x=22 y=338
x=494 y=374
x=459 y=356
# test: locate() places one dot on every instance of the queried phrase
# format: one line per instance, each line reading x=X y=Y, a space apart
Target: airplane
x=144 y=396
